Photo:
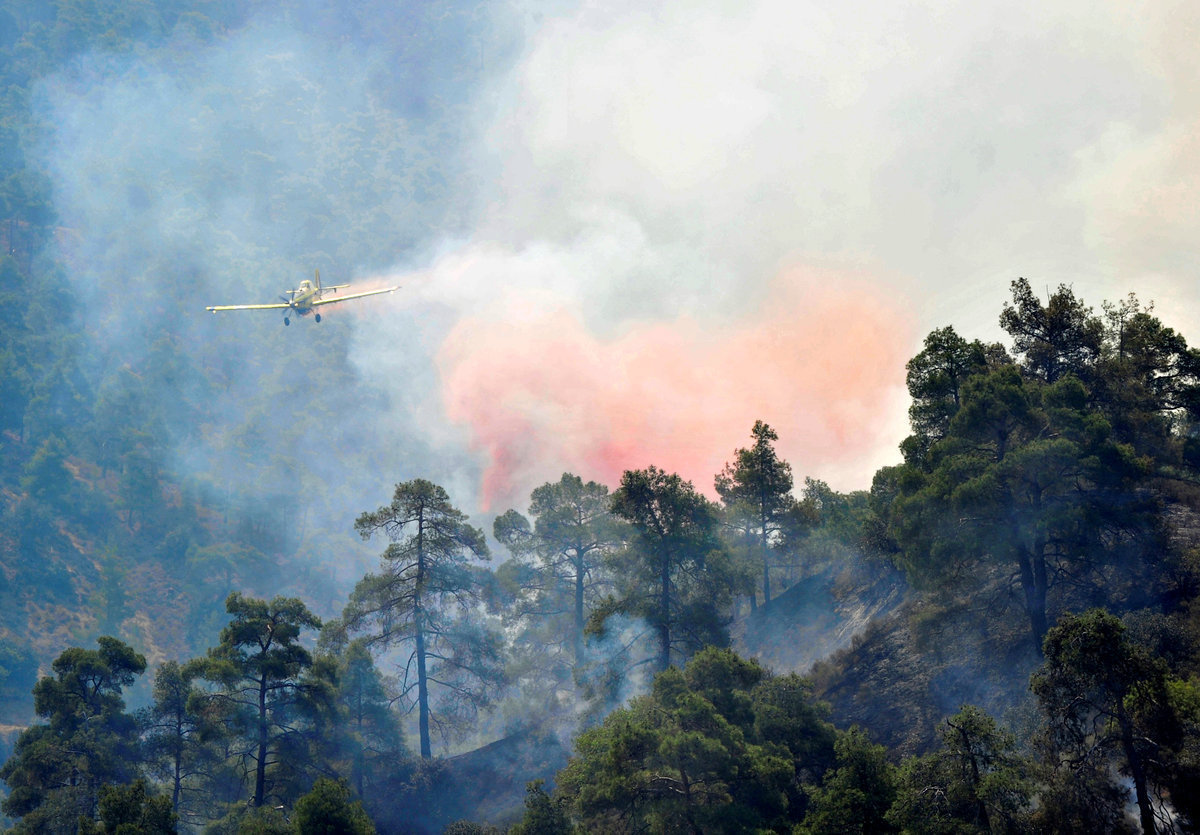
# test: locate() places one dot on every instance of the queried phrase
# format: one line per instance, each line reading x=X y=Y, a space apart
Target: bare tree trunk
x=762 y=534
x=664 y=604
x=419 y=622
x=578 y=608
x=1137 y=771
x=176 y=780
x=1033 y=583
x=358 y=753
x=422 y=689
x=260 y=767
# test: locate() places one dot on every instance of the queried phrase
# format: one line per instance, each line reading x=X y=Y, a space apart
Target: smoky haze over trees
x=178 y=496
x=160 y=159
x=1019 y=502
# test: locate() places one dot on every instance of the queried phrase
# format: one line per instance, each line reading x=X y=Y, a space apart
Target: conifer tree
x=755 y=488
x=1106 y=701
x=265 y=686
x=856 y=795
x=421 y=598
x=675 y=572
x=329 y=808
x=976 y=781
x=125 y=810
x=369 y=728
x=714 y=747
x=571 y=535
x=57 y=768
x=173 y=731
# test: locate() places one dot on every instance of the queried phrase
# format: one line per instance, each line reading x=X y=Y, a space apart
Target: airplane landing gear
x=286 y=321
x=317 y=316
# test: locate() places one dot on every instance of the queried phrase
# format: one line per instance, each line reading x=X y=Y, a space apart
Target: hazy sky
x=674 y=219
x=701 y=214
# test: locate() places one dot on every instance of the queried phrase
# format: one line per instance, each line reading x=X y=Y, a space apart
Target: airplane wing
x=355 y=296
x=215 y=308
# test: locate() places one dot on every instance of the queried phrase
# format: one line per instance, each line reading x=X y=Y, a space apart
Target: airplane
x=303 y=299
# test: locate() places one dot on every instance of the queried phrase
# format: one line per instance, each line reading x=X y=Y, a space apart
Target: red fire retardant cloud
x=819 y=362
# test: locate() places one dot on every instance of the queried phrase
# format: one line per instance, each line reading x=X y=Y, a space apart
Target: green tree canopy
x=328 y=809
x=544 y=815
x=57 y=768
x=712 y=748
x=935 y=380
x=1053 y=340
x=1148 y=384
x=131 y=810
x=1028 y=476
x=975 y=783
x=857 y=793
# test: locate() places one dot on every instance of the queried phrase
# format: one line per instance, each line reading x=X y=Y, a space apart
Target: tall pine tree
x=755 y=488
x=420 y=598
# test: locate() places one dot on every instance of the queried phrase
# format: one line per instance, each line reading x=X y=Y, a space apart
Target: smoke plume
x=541 y=392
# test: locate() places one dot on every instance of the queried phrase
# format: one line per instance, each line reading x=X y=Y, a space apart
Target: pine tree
x=57 y=768
x=572 y=535
x=425 y=582
x=675 y=572
x=756 y=490
x=265 y=687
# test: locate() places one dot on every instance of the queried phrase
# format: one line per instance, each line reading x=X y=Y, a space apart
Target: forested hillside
x=237 y=598
x=154 y=458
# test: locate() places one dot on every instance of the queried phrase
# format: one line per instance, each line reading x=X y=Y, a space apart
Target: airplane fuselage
x=304 y=299
x=305 y=295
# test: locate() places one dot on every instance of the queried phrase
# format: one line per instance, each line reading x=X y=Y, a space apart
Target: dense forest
x=198 y=633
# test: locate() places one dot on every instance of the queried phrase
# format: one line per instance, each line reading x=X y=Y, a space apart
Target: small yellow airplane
x=303 y=299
